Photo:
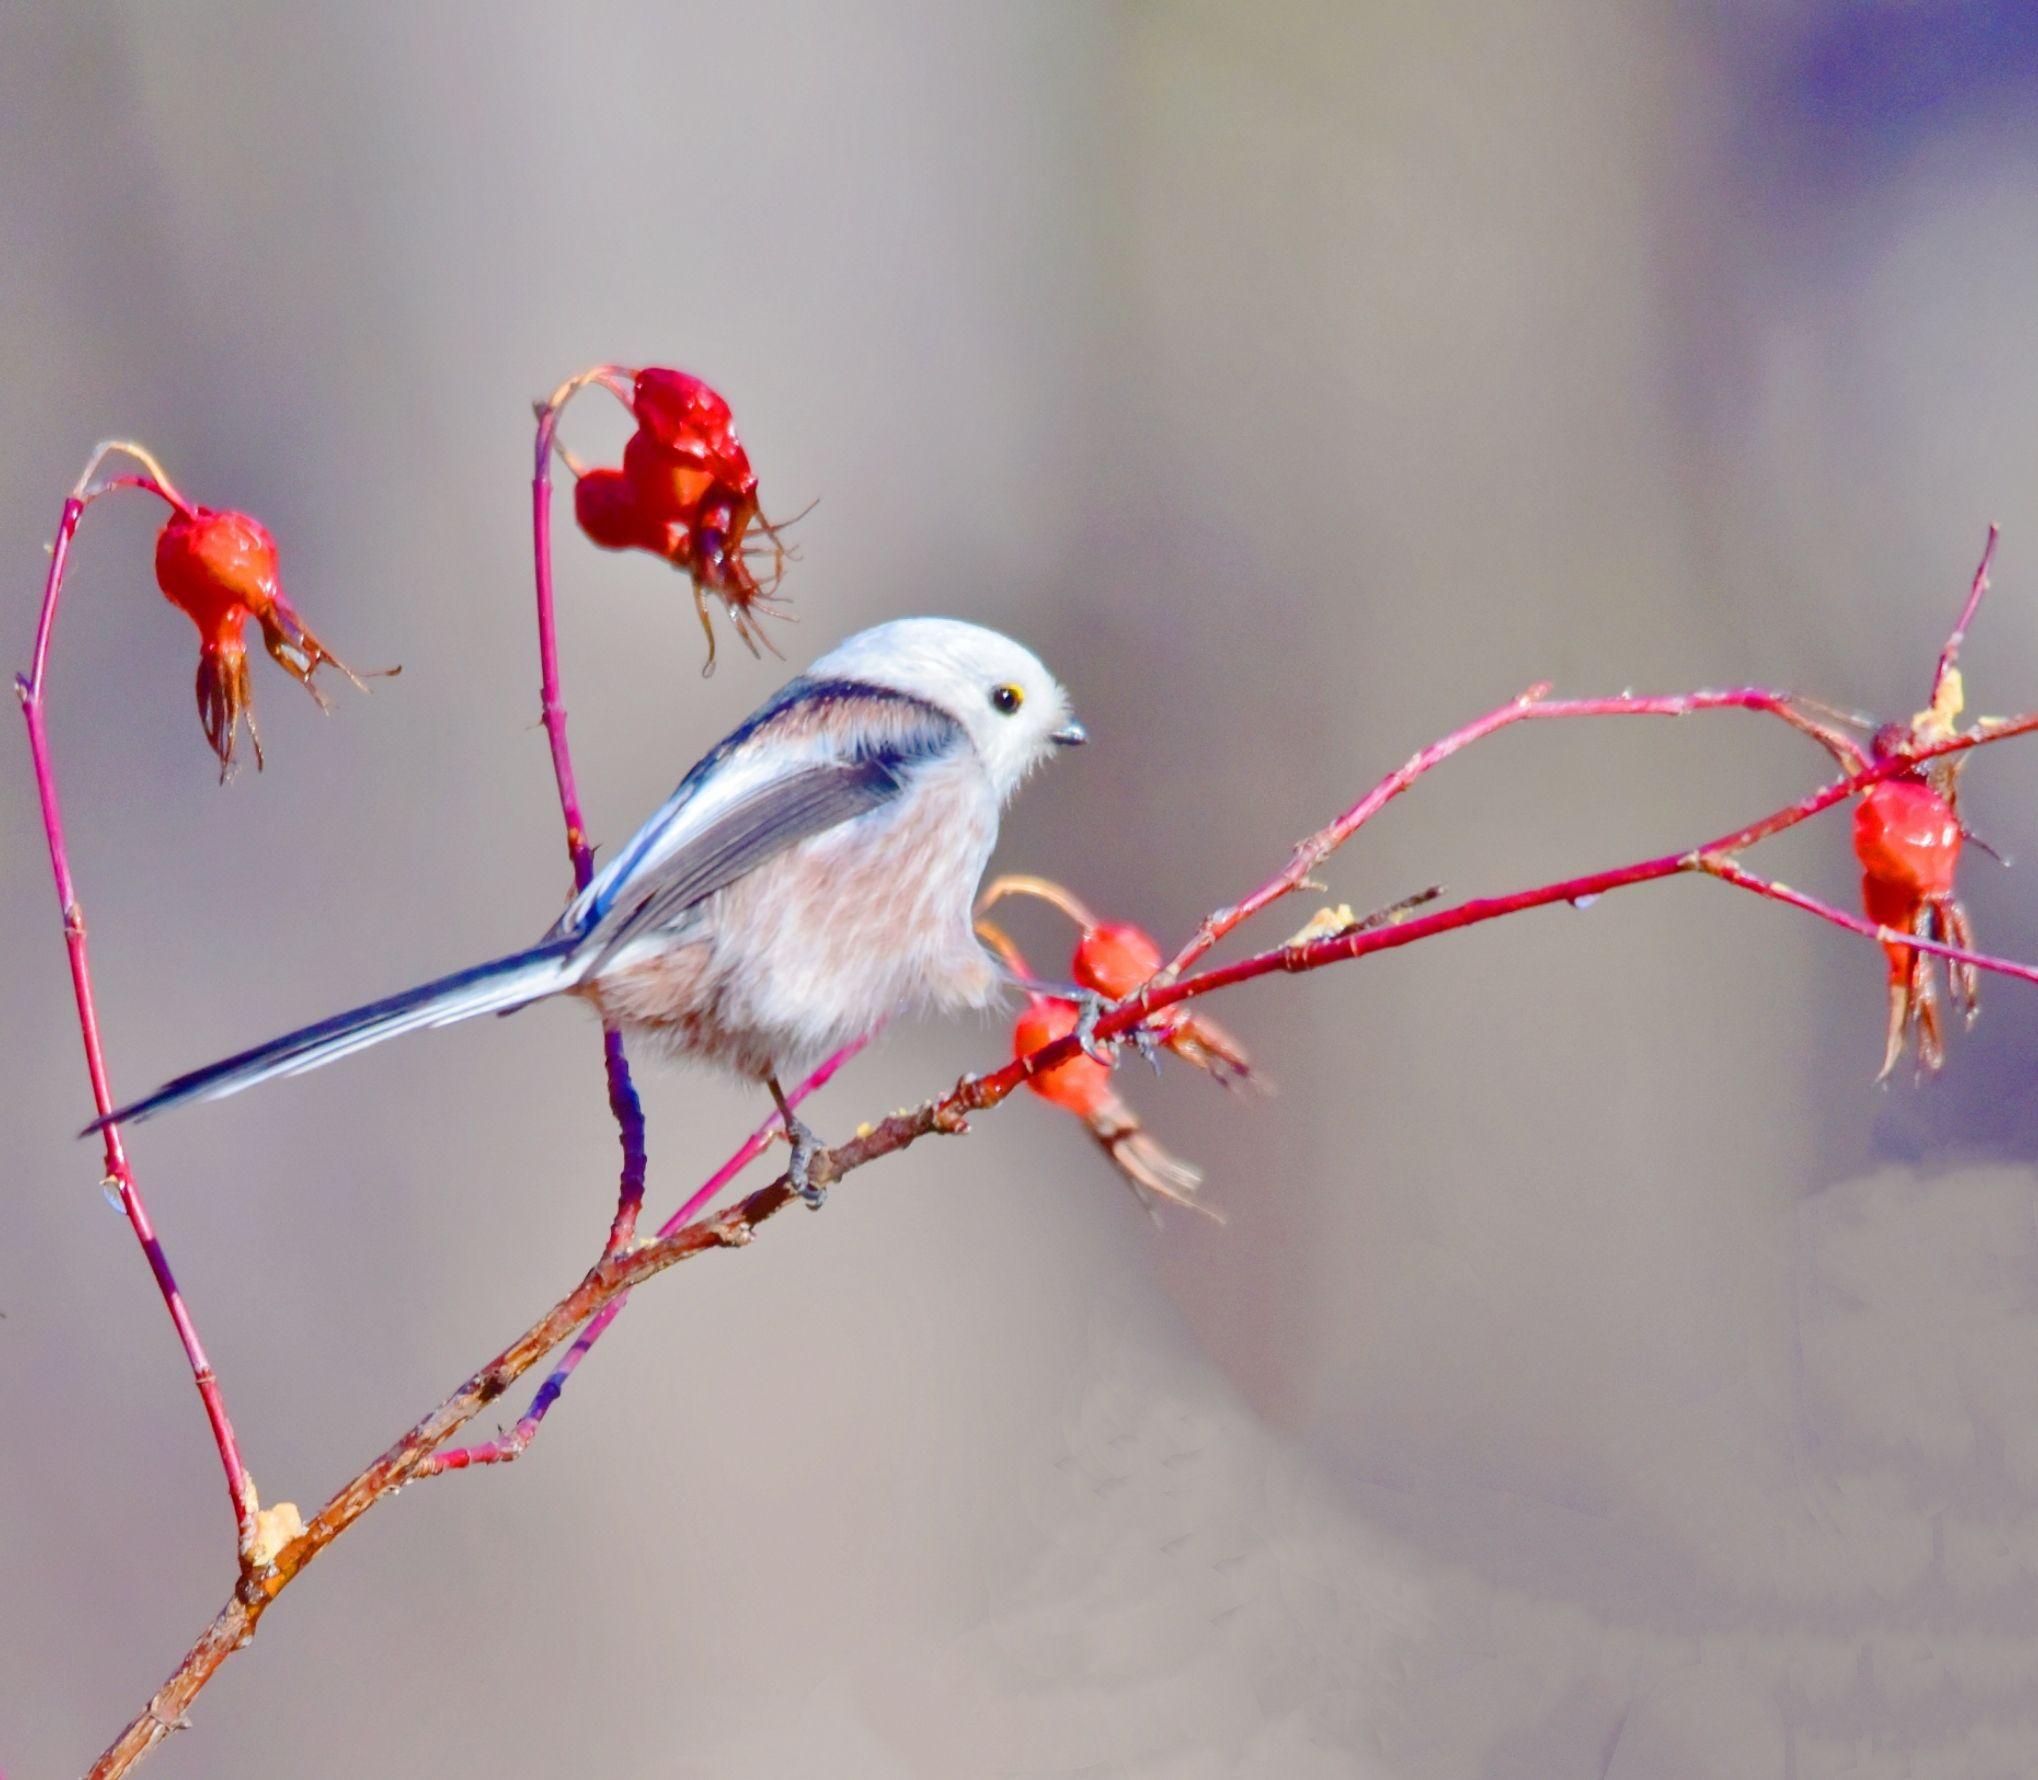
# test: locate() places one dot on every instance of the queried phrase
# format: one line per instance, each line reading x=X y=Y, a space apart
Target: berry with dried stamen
x=1907 y=836
x=220 y=569
x=686 y=492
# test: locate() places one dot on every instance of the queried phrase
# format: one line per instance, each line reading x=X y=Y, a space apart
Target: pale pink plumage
x=814 y=947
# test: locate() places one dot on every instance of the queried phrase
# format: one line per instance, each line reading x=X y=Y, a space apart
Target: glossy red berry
x=605 y=507
x=686 y=492
x=214 y=564
x=220 y=569
x=683 y=414
x=666 y=482
x=1115 y=958
x=1908 y=836
x=1082 y=1085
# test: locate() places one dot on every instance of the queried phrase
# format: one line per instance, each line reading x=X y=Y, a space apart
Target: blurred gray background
x=1597 y=1375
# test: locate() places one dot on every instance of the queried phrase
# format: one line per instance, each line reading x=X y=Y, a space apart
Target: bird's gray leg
x=805 y=1147
x=1092 y=1007
x=1143 y=1038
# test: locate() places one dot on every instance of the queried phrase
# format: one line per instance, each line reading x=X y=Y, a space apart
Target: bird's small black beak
x=1070 y=735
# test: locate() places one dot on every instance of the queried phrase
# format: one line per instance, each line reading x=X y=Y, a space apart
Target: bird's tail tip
x=500 y=983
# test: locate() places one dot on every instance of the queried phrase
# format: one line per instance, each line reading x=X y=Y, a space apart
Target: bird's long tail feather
x=494 y=987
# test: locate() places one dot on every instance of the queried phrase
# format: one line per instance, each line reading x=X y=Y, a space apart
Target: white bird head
x=1013 y=710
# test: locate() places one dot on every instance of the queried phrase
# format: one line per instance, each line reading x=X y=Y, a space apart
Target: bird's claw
x=1148 y=1043
x=806 y=1146
x=1092 y=1007
x=1146 y=1040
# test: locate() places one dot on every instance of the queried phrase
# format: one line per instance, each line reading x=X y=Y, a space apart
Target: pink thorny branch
x=32 y=688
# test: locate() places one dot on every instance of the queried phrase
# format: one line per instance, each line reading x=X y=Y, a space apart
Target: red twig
x=1534 y=704
x=759 y=1140
x=1949 y=656
x=1730 y=871
x=623 y=1099
x=1713 y=859
x=513 y=1444
x=31 y=689
x=1163 y=992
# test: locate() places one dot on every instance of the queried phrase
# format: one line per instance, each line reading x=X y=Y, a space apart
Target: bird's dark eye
x=1006 y=699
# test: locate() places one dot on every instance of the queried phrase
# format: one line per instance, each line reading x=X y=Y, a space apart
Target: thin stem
x=1006 y=947
x=624 y=1102
x=623 y=1098
x=554 y=705
x=1019 y=883
x=1359 y=941
x=119 y=1174
x=1731 y=871
x=1534 y=704
x=759 y=1140
x=157 y=481
x=1949 y=656
x=514 y=1444
x=628 y=1111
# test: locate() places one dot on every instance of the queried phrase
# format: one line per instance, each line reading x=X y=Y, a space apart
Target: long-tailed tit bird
x=810 y=877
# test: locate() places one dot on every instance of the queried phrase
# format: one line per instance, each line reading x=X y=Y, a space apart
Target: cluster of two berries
x=686 y=493
x=1113 y=960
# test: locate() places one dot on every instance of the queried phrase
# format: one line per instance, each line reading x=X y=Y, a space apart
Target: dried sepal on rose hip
x=686 y=492
x=220 y=569
x=1081 y=1085
x=1908 y=838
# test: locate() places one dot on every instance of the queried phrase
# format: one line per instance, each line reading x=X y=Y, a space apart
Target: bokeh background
x=1596 y=1373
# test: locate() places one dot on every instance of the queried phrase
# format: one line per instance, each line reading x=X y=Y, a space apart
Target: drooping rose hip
x=1907 y=836
x=220 y=568
x=686 y=492
x=1082 y=1086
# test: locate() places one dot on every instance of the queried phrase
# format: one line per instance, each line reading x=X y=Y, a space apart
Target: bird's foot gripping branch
x=687 y=493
